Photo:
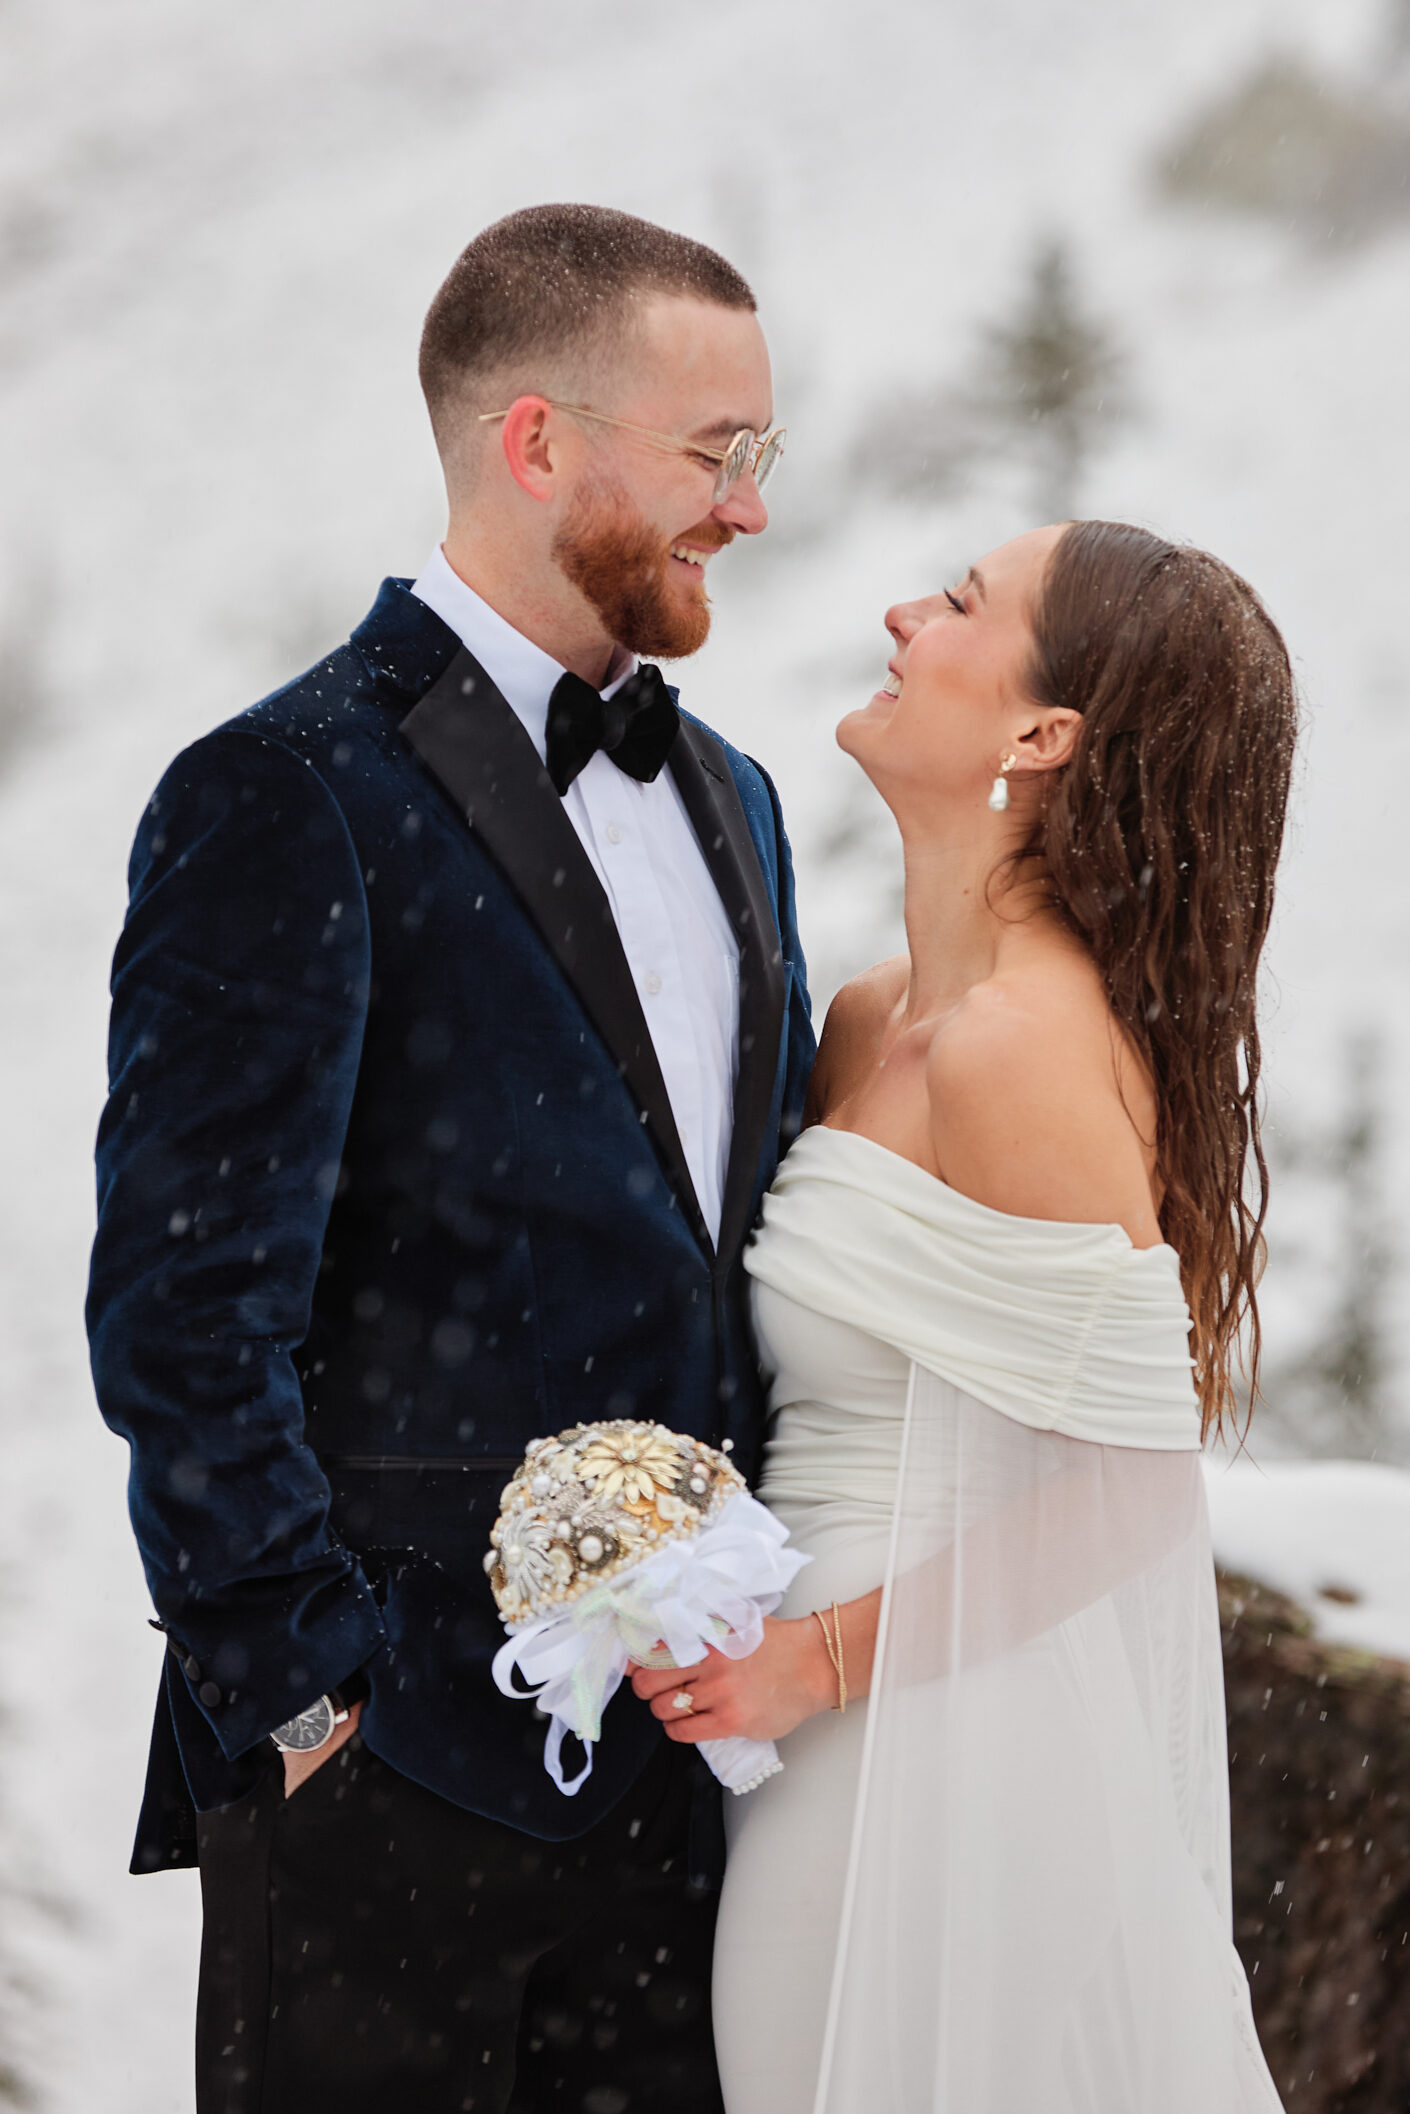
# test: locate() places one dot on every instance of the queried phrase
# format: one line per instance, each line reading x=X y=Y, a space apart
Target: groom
x=458 y=1023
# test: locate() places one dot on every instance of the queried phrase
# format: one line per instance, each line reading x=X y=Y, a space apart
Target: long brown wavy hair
x=1160 y=840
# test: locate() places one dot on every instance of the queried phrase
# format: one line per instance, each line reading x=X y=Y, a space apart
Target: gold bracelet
x=834 y=1653
x=820 y=1618
x=841 y=1661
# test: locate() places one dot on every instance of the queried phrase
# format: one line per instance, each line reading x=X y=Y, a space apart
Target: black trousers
x=370 y=1948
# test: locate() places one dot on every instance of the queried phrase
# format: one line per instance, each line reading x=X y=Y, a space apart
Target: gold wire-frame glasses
x=759 y=452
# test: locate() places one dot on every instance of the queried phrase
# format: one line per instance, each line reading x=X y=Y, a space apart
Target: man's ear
x=530 y=446
x=1050 y=737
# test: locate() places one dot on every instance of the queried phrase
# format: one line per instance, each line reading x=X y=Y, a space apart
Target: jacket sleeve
x=800 y=1043
x=240 y=990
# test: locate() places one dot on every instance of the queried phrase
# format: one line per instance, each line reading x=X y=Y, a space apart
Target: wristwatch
x=314 y=1728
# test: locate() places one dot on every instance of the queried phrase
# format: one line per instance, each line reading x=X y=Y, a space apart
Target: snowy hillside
x=218 y=233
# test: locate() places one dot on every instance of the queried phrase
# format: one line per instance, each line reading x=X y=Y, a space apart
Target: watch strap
x=355 y=1688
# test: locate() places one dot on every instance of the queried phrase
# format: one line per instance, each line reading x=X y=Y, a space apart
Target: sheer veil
x=1037 y=1906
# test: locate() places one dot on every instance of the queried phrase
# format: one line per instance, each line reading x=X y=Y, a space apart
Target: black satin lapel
x=472 y=741
x=701 y=771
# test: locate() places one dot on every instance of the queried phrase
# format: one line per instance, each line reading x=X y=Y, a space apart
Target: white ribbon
x=712 y=1589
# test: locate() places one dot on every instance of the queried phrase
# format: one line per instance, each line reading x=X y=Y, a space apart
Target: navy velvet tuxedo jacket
x=389 y=1185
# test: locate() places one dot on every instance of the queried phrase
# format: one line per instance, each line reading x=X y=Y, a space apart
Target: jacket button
x=191 y=1667
x=208 y=1694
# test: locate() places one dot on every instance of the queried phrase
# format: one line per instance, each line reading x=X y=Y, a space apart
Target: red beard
x=615 y=559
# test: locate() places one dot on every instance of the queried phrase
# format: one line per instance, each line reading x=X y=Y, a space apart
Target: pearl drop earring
x=999 y=790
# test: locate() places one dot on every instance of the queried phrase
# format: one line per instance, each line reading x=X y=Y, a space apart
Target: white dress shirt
x=683 y=956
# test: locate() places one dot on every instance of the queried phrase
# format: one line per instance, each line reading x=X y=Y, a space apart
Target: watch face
x=310 y=1729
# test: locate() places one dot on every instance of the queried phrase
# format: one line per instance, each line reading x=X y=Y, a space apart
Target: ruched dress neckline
x=1065 y=1327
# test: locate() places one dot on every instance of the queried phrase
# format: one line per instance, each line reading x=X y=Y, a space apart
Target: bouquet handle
x=741 y=1765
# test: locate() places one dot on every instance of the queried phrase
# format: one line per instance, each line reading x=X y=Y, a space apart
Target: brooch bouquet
x=620 y=1542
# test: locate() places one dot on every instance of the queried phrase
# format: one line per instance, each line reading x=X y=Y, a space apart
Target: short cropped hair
x=552 y=283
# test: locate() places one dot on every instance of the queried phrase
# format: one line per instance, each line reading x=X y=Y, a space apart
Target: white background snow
x=219 y=230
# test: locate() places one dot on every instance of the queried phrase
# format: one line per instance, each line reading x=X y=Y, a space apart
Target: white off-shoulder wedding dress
x=1001 y=1885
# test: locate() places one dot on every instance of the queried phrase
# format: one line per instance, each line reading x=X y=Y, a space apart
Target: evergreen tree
x=1045 y=389
x=1334 y=1399
x=1050 y=383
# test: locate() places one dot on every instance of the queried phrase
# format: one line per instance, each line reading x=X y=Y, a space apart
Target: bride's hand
x=787 y=1679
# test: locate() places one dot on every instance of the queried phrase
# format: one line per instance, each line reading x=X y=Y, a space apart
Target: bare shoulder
x=1038 y=1105
x=855 y=1022
x=863 y=1006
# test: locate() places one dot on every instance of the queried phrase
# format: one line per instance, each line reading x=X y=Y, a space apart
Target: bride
x=998 y=1290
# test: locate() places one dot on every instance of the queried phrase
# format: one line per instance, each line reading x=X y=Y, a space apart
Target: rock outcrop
x=1319 y=1756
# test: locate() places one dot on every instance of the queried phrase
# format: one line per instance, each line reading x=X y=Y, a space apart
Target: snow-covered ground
x=218 y=232
x=1335 y=1535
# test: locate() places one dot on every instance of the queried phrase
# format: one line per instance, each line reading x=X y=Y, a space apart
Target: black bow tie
x=635 y=726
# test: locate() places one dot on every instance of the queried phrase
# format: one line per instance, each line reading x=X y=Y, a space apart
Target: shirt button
x=614 y=833
x=652 y=982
